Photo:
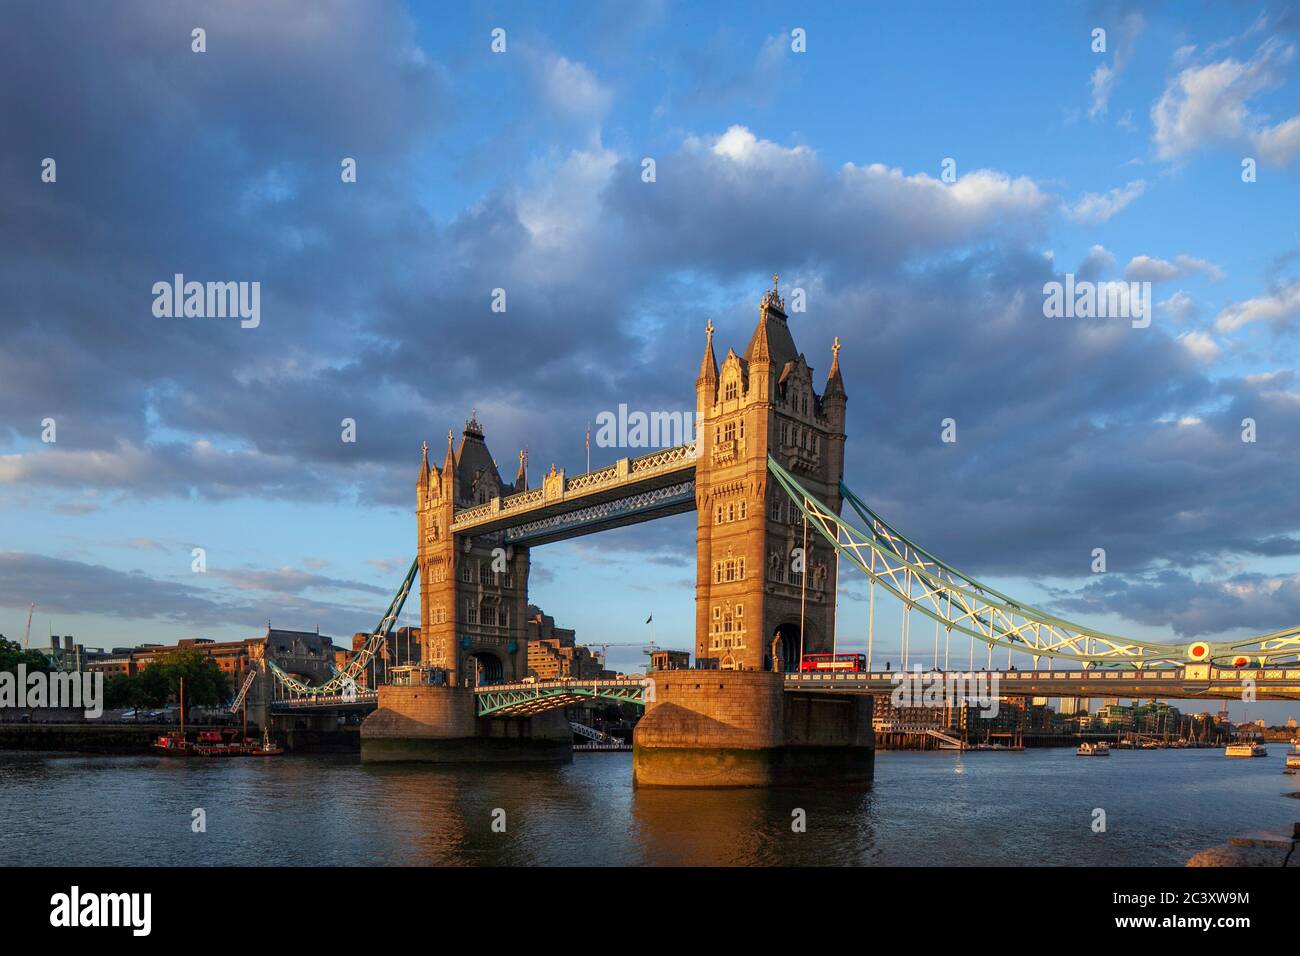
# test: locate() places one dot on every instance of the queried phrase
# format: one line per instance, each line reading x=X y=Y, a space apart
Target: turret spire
x=521 y=479
x=835 y=381
x=709 y=364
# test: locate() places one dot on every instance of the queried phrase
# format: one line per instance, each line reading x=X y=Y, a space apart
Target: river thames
x=1036 y=807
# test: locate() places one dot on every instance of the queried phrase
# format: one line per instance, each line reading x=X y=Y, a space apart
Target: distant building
x=400 y=649
x=297 y=652
x=553 y=652
x=669 y=660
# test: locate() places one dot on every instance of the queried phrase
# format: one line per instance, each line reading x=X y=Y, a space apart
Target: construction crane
x=27 y=636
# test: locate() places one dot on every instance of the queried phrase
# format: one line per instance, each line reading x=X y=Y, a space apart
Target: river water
x=1033 y=807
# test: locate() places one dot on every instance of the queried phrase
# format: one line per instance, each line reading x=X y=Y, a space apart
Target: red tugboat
x=212 y=744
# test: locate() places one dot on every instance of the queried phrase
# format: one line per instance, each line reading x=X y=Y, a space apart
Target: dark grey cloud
x=77 y=587
x=1193 y=608
x=1072 y=434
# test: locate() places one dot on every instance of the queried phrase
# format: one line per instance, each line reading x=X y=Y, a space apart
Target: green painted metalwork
x=961 y=603
x=361 y=659
x=529 y=699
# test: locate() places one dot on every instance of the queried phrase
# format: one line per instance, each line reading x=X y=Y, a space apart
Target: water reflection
x=925 y=809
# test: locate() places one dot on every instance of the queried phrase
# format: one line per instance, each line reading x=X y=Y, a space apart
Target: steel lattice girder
x=961 y=603
x=361 y=660
x=527 y=700
x=635 y=508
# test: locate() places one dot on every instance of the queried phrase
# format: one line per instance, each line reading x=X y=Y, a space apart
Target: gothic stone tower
x=750 y=594
x=473 y=592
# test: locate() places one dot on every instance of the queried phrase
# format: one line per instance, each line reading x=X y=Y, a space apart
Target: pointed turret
x=521 y=479
x=422 y=483
x=449 y=482
x=835 y=381
x=709 y=364
x=771 y=341
x=706 y=385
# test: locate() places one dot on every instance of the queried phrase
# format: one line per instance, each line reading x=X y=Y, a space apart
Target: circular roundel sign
x=1240 y=661
x=1198 y=652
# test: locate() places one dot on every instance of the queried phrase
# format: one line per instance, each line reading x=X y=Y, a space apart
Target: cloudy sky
x=522 y=170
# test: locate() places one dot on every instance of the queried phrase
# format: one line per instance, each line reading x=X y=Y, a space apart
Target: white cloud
x=1207 y=104
x=572 y=89
x=1201 y=345
x=741 y=146
x=1149 y=269
x=1094 y=208
x=1278 y=308
x=1104 y=77
x=1098 y=261
x=1179 y=306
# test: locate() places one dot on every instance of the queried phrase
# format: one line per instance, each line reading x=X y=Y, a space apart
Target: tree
x=160 y=681
x=12 y=654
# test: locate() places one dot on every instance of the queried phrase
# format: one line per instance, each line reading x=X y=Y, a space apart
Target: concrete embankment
x=85 y=737
x=1256 y=849
x=126 y=738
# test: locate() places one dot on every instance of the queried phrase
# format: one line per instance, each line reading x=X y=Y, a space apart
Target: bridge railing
x=656 y=462
x=563 y=682
x=1145 y=674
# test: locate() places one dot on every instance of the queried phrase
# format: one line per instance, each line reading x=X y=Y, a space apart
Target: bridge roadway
x=1191 y=681
x=361 y=698
x=629 y=491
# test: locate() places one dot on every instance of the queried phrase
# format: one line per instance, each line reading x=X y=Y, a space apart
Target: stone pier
x=438 y=725
x=714 y=728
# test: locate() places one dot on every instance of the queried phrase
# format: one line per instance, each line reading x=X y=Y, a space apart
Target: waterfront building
x=554 y=653
x=1072 y=705
x=670 y=660
x=295 y=651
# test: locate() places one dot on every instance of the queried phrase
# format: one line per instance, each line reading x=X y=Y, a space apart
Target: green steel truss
x=350 y=675
x=924 y=583
x=526 y=700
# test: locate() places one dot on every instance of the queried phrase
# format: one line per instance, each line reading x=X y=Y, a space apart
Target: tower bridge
x=765 y=475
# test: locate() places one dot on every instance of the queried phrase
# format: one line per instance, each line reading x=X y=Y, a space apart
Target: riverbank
x=1257 y=849
x=89 y=737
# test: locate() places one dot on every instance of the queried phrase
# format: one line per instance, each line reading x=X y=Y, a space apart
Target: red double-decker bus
x=853 y=663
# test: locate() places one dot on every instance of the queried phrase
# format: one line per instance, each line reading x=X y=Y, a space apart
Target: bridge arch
x=485 y=668
x=784 y=647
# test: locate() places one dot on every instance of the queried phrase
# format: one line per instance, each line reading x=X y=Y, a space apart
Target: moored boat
x=1250 y=749
x=1099 y=749
x=266 y=748
x=211 y=743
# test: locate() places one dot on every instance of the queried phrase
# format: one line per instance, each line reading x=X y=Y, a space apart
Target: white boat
x=1245 y=750
x=1293 y=757
x=1099 y=749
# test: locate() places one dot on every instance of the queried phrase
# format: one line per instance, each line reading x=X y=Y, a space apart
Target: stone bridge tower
x=473 y=594
x=752 y=602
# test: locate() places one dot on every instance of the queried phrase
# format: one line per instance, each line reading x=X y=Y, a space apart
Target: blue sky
x=522 y=170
